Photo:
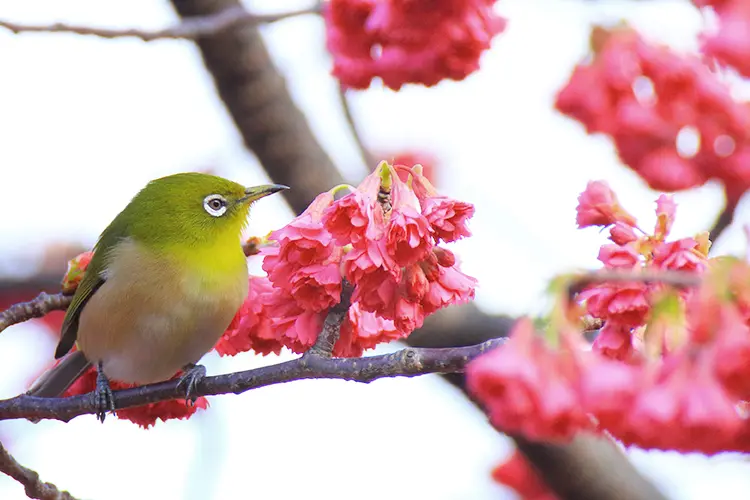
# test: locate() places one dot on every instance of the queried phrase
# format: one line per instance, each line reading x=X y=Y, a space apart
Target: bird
x=166 y=278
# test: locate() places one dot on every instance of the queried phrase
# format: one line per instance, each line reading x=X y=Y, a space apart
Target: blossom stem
x=365 y=153
x=33 y=486
x=331 y=331
x=190 y=29
x=403 y=363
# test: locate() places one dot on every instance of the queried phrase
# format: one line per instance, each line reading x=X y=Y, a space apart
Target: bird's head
x=190 y=208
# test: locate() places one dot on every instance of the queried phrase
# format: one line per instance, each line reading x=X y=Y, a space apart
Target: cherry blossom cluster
x=730 y=43
x=415 y=41
x=671 y=119
x=624 y=307
x=681 y=386
x=386 y=238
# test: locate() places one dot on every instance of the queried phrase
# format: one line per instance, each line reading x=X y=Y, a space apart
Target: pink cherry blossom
x=448 y=217
x=680 y=255
x=450 y=287
x=251 y=328
x=409 y=236
x=598 y=206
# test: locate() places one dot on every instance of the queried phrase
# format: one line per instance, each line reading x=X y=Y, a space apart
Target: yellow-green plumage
x=161 y=312
x=167 y=277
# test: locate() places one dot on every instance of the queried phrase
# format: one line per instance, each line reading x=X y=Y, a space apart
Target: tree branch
x=32 y=485
x=404 y=363
x=194 y=28
x=35 y=308
x=588 y=468
x=680 y=279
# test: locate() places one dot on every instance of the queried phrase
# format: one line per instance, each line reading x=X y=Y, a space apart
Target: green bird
x=167 y=277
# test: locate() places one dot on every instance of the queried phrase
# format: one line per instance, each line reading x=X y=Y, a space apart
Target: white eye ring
x=215 y=205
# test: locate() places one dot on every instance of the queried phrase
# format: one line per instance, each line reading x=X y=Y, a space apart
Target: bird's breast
x=155 y=314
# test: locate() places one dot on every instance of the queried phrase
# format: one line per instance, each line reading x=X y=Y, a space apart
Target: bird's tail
x=57 y=379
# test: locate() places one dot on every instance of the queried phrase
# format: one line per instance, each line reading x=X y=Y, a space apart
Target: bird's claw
x=192 y=376
x=104 y=398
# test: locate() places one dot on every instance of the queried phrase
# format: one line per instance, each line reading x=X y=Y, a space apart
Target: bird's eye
x=215 y=205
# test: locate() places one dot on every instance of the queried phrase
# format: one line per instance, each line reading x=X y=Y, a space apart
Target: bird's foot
x=105 y=400
x=192 y=376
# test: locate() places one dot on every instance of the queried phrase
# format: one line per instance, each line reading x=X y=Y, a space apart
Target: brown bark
x=276 y=131
x=589 y=468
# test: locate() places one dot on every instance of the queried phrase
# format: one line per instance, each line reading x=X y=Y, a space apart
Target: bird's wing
x=93 y=279
x=90 y=283
x=56 y=380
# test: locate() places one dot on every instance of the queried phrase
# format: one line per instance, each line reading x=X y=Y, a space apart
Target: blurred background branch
x=367 y=157
x=232 y=17
x=256 y=97
x=589 y=468
x=277 y=132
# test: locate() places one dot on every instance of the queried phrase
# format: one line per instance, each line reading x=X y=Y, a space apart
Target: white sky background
x=85 y=123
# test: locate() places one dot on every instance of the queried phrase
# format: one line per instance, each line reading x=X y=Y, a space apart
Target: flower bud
x=416 y=282
x=622 y=234
x=430 y=267
x=76 y=270
x=445 y=257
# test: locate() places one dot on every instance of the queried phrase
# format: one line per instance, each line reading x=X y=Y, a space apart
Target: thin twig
x=723 y=221
x=189 y=29
x=35 y=308
x=680 y=279
x=403 y=363
x=32 y=485
x=367 y=157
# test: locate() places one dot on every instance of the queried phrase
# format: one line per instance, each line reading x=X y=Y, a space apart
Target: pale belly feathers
x=149 y=319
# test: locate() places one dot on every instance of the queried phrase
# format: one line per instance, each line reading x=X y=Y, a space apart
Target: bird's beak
x=257 y=192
